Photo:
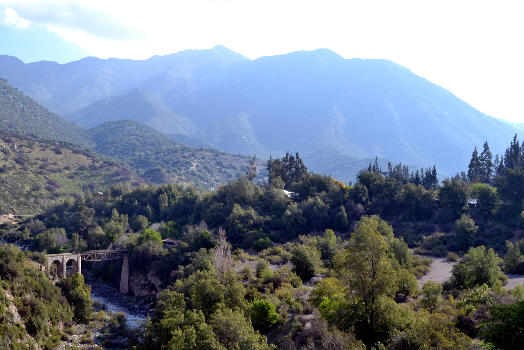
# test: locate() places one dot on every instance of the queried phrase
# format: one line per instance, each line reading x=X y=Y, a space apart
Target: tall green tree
x=290 y=169
x=465 y=229
x=513 y=155
x=367 y=272
x=475 y=167
x=486 y=162
x=486 y=198
x=304 y=264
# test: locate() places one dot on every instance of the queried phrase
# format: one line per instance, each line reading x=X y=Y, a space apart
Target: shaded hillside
x=35 y=174
x=324 y=105
x=160 y=159
x=19 y=114
x=136 y=105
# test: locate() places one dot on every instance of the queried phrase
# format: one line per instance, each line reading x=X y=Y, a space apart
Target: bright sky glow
x=473 y=48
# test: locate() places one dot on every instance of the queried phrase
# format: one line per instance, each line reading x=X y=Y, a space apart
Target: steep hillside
x=32 y=308
x=160 y=159
x=325 y=106
x=19 y=114
x=35 y=174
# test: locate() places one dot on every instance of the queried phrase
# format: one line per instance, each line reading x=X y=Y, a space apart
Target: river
x=136 y=309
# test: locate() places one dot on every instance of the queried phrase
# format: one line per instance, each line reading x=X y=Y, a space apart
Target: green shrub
x=261 y=244
x=431 y=292
x=263 y=314
x=304 y=265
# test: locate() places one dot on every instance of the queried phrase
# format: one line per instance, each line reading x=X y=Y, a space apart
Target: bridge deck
x=95 y=255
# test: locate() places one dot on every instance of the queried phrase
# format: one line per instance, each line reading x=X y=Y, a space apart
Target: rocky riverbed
x=136 y=309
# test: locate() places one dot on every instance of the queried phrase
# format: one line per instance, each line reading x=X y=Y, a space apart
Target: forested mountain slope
x=160 y=159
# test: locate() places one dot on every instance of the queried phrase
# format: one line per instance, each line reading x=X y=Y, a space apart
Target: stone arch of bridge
x=71 y=266
x=56 y=267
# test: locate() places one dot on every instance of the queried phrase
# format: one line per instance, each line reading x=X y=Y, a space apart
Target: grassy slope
x=34 y=174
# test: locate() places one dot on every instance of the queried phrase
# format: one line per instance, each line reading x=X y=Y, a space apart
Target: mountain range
x=337 y=113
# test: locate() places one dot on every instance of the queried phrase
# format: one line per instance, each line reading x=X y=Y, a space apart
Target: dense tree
x=290 y=169
x=453 y=196
x=479 y=266
x=327 y=246
x=240 y=221
x=503 y=327
x=417 y=202
x=78 y=294
x=513 y=259
x=116 y=226
x=486 y=198
x=430 y=330
x=513 y=155
x=203 y=311
x=77 y=243
x=139 y=223
x=431 y=295
x=233 y=331
x=465 y=229
x=52 y=240
x=251 y=171
x=359 y=194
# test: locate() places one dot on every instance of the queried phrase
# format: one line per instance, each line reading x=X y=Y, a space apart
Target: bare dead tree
x=222 y=255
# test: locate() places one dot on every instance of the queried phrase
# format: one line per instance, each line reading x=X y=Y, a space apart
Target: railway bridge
x=68 y=263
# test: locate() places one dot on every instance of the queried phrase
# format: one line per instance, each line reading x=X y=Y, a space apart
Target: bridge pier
x=124 y=275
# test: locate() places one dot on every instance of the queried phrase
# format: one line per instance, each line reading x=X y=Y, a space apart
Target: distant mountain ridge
x=338 y=113
x=69 y=87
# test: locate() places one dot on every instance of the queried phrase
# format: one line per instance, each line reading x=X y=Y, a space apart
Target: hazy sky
x=475 y=49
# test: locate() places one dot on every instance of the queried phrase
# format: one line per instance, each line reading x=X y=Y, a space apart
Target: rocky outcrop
x=15 y=319
x=143 y=284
